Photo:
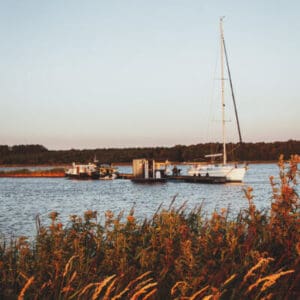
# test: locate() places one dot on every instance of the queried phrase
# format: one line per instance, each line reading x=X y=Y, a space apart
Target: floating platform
x=198 y=179
x=125 y=176
x=149 y=180
x=191 y=179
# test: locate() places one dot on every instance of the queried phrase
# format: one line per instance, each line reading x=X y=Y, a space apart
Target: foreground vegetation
x=174 y=255
x=37 y=154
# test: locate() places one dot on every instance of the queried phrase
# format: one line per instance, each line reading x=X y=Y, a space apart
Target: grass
x=177 y=254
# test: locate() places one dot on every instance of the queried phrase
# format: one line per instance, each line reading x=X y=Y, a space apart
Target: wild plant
x=176 y=254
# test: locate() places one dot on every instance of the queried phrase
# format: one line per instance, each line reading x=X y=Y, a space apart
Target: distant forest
x=37 y=154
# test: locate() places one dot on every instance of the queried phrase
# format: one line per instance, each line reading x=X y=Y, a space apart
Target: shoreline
x=58 y=170
x=26 y=173
x=129 y=164
x=32 y=175
x=35 y=165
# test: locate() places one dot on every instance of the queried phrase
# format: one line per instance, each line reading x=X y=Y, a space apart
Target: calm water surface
x=22 y=199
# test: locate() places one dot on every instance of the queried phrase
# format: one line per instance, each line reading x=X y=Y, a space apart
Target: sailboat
x=232 y=172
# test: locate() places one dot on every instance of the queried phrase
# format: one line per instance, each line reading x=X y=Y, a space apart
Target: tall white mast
x=222 y=91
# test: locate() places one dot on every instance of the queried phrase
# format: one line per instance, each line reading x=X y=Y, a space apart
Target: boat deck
x=198 y=179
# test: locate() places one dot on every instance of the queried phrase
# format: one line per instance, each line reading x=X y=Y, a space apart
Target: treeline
x=37 y=154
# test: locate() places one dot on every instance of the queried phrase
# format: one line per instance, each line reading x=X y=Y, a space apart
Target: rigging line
x=232 y=93
x=211 y=117
x=234 y=148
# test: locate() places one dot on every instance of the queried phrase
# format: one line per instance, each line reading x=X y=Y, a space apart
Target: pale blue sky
x=93 y=74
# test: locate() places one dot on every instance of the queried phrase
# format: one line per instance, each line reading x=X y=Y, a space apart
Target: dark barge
x=149 y=180
x=198 y=179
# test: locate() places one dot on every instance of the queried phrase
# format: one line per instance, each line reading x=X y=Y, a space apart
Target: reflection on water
x=22 y=199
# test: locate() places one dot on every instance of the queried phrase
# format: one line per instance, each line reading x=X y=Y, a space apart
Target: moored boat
x=232 y=172
x=83 y=171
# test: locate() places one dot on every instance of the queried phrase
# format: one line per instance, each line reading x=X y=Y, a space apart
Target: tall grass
x=177 y=254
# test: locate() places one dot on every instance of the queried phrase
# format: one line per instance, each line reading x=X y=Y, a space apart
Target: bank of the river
x=54 y=165
x=58 y=170
x=26 y=173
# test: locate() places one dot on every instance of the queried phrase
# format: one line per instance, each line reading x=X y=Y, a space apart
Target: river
x=22 y=199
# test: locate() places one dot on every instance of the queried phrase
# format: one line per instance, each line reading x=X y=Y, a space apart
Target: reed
x=177 y=254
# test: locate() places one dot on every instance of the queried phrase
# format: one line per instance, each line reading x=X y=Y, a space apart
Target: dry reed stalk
x=142 y=291
x=181 y=207
x=156 y=213
x=101 y=285
x=172 y=202
x=132 y=282
x=298 y=248
x=90 y=285
x=261 y=262
x=268 y=297
x=177 y=284
x=72 y=277
x=273 y=278
x=109 y=290
x=38 y=223
x=23 y=275
x=199 y=293
x=269 y=281
x=67 y=267
x=68 y=287
x=121 y=294
x=143 y=283
x=150 y=294
x=45 y=284
x=26 y=286
x=229 y=279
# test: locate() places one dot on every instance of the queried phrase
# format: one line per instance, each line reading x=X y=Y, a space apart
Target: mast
x=232 y=94
x=222 y=90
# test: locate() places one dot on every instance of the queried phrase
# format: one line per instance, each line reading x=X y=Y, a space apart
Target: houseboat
x=83 y=171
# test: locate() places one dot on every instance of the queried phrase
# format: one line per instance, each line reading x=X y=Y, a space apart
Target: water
x=22 y=199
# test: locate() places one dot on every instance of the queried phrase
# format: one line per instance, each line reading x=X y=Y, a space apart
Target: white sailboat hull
x=231 y=172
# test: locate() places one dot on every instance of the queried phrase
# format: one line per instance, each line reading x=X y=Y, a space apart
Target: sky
x=136 y=73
